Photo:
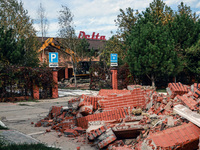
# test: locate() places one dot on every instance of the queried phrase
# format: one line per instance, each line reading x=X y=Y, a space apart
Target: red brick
x=175 y=136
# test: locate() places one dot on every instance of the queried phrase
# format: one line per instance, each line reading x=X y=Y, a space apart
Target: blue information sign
x=113 y=58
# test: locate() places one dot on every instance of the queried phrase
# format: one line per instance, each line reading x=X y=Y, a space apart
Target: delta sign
x=91 y=37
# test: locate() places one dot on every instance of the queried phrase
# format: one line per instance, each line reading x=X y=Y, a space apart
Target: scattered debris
x=184 y=136
x=137 y=118
x=190 y=115
x=2 y=124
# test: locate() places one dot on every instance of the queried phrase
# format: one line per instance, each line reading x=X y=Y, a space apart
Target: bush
x=18 y=81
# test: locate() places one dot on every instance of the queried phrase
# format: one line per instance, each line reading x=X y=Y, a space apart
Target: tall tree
x=69 y=40
x=151 y=48
x=43 y=21
x=161 y=11
x=184 y=9
x=85 y=56
x=184 y=28
x=83 y=49
x=17 y=24
x=11 y=51
x=113 y=45
x=193 y=60
x=125 y=20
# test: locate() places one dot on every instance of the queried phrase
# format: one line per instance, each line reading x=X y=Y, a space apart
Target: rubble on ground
x=134 y=118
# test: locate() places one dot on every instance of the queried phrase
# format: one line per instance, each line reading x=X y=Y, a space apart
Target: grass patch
x=26 y=147
x=1 y=143
x=161 y=90
x=29 y=100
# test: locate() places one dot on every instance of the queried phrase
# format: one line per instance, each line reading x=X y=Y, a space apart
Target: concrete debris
x=188 y=101
x=95 y=133
x=118 y=143
x=129 y=130
x=139 y=115
x=70 y=132
x=188 y=114
x=86 y=110
x=2 y=124
x=106 y=138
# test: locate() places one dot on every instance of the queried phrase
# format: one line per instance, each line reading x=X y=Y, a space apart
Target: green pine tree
x=151 y=48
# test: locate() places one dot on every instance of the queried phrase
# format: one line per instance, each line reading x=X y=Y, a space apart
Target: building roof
x=95 y=44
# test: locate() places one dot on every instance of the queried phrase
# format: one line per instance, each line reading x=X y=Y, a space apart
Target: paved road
x=19 y=116
x=13 y=136
x=68 y=92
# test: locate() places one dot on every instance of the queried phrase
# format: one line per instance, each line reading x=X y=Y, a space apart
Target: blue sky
x=93 y=15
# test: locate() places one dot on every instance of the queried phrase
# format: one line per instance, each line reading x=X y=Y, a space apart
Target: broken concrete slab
x=69 y=92
x=170 y=121
x=2 y=124
x=190 y=115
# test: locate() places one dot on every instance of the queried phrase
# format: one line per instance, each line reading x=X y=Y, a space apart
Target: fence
x=18 y=83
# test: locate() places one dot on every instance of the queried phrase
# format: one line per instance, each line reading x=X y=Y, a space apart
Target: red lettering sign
x=93 y=37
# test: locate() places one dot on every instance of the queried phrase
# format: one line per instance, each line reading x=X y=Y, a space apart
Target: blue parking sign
x=53 y=57
x=113 y=58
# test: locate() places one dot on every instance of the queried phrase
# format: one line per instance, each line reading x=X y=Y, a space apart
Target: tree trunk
x=74 y=70
x=153 y=81
x=75 y=82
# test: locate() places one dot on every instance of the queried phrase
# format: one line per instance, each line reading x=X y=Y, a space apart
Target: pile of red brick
x=138 y=113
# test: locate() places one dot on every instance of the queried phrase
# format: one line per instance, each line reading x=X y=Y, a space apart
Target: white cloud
x=198 y=12
x=52 y=30
x=191 y=3
x=198 y=5
x=93 y=15
x=106 y=7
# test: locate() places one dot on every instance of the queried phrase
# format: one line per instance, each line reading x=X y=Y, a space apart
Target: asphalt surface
x=20 y=119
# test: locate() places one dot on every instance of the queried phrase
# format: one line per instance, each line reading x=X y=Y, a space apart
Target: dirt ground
x=20 y=116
